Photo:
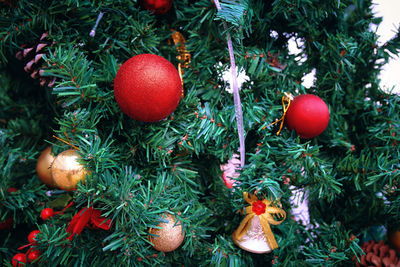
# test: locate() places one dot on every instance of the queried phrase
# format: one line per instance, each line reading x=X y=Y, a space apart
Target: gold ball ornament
x=169 y=237
x=67 y=171
x=43 y=166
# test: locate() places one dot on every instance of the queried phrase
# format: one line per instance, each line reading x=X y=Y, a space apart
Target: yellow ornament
x=67 y=171
x=254 y=234
x=254 y=239
x=169 y=237
x=43 y=166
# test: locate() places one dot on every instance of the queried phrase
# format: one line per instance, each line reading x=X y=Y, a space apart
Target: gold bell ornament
x=254 y=234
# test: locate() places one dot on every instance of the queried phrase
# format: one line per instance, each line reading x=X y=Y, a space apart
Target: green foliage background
x=350 y=171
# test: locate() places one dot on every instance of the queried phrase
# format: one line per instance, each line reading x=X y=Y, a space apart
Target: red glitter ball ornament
x=32 y=236
x=157 y=6
x=34 y=255
x=258 y=207
x=47 y=213
x=147 y=88
x=19 y=259
x=308 y=115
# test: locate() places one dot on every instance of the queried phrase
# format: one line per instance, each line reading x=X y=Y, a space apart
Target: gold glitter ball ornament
x=67 y=171
x=43 y=167
x=169 y=237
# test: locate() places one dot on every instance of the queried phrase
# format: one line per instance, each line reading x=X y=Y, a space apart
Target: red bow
x=87 y=217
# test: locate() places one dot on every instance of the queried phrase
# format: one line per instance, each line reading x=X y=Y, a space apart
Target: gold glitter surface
x=67 y=171
x=170 y=236
x=43 y=167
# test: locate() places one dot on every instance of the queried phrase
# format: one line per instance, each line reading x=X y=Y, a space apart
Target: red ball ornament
x=147 y=88
x=32 y=236
x=34 y=255
x=47 y=213
x=308 y=115
x=157 y=6
x=19 y=259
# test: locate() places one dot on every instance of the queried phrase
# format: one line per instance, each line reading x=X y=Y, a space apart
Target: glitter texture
x=255 y=232
x=169 y=237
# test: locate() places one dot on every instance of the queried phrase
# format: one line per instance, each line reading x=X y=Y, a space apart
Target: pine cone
x=378 y=254
x=32 y=56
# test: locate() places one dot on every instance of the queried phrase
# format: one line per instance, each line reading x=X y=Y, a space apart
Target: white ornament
x=299 y=201
x=227 y=77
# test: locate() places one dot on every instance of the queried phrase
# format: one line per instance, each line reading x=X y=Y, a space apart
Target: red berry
x=34 y=255
x=19 y=259
x=12 y=190
x=47 y=213
x=32 y=236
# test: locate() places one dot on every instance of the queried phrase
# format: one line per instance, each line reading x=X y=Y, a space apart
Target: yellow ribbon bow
x=264 y=209
x=288 y=97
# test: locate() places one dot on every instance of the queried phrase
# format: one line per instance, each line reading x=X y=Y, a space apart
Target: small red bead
x=19 y=259
x=47 y=213
x=32 y=236
x=34 y=255
x=258 y=207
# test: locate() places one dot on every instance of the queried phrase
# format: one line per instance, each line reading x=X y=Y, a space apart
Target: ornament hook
x=287 y=98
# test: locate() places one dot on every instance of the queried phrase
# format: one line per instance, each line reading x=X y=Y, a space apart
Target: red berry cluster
x=32 y=255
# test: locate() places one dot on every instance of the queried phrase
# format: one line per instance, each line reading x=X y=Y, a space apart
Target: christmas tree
x=129 y=177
